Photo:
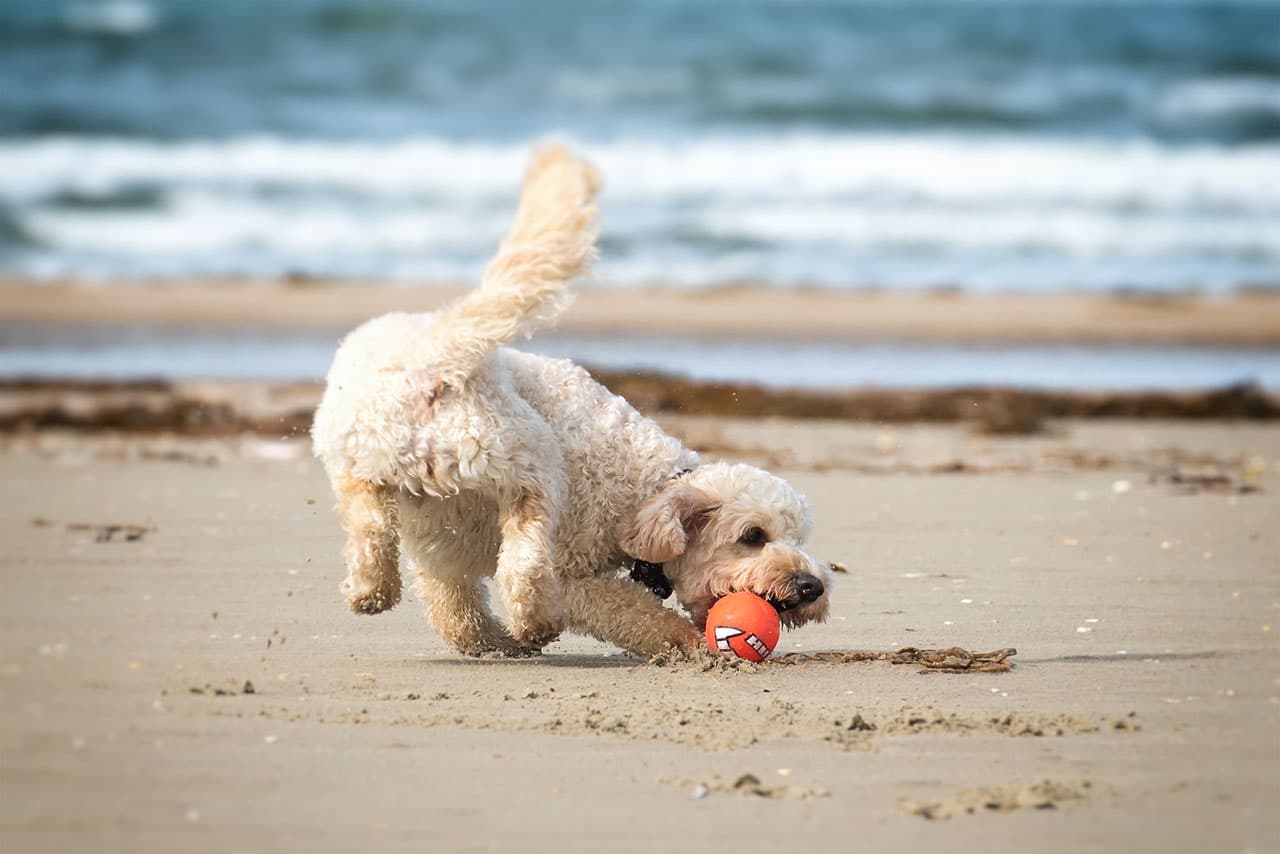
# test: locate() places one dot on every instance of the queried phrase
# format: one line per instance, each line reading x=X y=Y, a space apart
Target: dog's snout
x=808 y=587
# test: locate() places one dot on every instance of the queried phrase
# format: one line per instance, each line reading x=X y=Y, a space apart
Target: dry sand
x=193 y=683
x=1249 y=319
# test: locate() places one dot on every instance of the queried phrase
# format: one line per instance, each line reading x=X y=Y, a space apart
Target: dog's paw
x=512 y=650
x=534 y=639
x=365 y=598
x=536 y=624
x=688 y=649
x=494 y=646
x=535 y=633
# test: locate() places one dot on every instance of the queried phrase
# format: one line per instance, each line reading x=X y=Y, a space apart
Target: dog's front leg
x=621 y=612
x=526 y=573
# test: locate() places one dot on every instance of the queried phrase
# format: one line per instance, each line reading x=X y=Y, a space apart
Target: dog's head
x=723 y=528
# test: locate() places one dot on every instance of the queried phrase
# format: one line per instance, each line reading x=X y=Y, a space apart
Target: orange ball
x=744 y=624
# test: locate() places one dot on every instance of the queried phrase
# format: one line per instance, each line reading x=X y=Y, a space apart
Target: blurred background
x=1009 y=146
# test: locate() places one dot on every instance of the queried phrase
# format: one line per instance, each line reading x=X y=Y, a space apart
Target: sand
x=177 y=671
x=1246 y=319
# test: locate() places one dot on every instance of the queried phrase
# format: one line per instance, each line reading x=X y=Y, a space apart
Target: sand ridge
x=1041 y=795
x=1244 y=319
x=752 y=716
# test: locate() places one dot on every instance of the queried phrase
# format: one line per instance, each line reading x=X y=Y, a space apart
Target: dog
x=464 y=459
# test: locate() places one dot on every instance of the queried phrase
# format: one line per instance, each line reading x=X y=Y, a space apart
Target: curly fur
x=466 y=460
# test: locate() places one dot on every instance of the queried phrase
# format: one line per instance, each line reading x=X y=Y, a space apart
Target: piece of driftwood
x=950 y=660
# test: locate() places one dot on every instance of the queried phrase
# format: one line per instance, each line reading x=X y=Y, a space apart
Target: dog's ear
x=662 y=526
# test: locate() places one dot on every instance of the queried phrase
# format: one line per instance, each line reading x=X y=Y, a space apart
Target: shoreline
x=1250 y=319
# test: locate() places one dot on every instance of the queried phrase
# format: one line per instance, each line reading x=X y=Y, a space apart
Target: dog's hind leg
x=621 y=612
x=368 y=513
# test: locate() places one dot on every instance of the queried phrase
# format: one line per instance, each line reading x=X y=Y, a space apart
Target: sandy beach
x=178 y=671
x=1239 y=320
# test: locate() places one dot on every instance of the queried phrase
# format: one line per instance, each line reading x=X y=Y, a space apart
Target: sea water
x=971 y=144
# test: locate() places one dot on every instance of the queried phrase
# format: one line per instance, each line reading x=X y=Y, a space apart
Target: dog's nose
x=808 y=587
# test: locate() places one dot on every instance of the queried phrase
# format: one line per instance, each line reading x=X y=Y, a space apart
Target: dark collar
x=651 y=575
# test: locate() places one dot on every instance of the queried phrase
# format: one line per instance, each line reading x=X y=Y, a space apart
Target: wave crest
x=887 y=209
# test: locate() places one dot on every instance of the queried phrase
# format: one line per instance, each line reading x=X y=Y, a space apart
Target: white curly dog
x=469 y=460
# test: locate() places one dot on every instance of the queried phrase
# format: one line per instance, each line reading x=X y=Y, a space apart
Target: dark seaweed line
x=158 y=406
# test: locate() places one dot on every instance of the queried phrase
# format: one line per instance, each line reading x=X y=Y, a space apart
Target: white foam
x=960 y=170
x=878 y=208
x=198 y=221
x=111 y=17
x=1220 y=96
x=1078 y=231
x=390 y=170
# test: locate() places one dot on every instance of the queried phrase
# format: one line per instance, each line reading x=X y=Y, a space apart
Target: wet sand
x=1249 y=319
x=194 y=683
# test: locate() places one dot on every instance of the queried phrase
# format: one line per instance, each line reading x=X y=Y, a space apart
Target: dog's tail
x=551 y=241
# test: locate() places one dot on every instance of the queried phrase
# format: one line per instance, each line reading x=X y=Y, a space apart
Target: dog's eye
x=754 y=537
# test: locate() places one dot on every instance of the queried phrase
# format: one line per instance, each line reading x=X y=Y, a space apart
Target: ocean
x=974 y=145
